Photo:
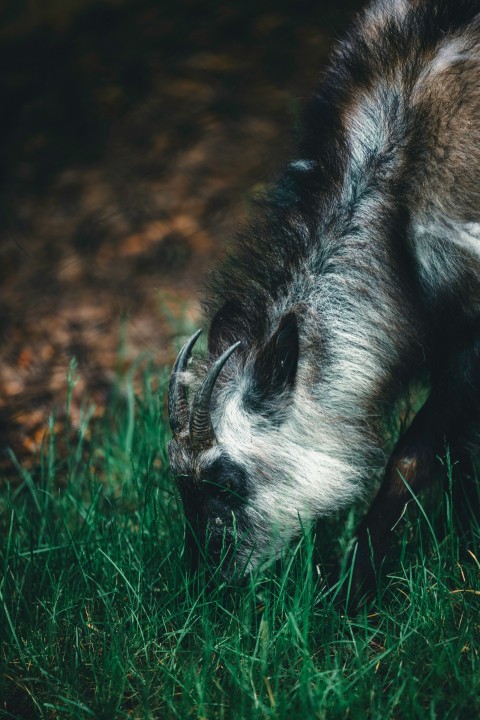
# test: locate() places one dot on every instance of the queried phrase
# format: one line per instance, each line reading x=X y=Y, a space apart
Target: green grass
x=99 y=618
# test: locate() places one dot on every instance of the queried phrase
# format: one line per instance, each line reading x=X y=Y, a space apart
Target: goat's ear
x=276 y=365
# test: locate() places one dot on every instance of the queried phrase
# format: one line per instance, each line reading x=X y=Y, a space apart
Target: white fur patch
x=207 y=457
x=453 y=51
x=366 y=128
x=382 y=12
x=303 y=165
x=437 y=242
x=302 y=468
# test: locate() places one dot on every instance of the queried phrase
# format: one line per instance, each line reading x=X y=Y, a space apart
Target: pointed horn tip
x=219 y=363
x=191 y=340
x=178 y=411
x=229 y=351
x=185 y=352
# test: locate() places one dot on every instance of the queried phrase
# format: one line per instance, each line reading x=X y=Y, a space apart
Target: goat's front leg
x=448 y=416
x=411 y=462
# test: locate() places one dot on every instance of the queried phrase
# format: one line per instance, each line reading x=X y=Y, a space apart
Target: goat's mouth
x=218 y=551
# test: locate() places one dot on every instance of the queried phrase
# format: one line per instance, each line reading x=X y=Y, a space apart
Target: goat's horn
x=201 y=430
x=178 y=411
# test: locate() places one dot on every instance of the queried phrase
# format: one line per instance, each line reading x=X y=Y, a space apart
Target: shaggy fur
x=360 y=274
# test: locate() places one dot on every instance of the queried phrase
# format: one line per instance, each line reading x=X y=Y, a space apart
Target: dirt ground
x=135 y=135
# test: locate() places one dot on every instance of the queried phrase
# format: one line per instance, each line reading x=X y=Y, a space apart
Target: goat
x=360 y=275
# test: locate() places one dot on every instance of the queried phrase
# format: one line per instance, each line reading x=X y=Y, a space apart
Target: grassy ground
x=100 y=620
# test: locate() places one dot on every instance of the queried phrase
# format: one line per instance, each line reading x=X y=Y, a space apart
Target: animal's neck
x=359 y=281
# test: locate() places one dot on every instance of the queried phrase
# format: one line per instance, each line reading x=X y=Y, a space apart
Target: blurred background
x=134 y=136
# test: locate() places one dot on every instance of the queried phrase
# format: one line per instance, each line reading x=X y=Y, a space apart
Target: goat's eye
x=218 y=486
x=227 y=479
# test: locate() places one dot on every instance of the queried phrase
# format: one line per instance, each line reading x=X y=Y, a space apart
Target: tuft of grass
x=100 y=619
